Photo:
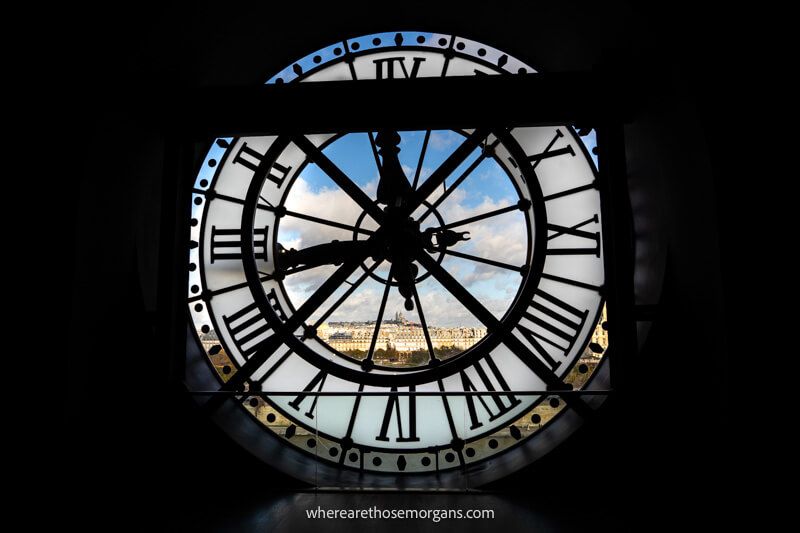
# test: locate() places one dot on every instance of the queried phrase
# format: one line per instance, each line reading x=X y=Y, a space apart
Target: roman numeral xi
x=249 y=158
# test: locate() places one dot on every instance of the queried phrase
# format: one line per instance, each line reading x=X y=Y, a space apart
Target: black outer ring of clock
x=349 y=55
x=427 y=374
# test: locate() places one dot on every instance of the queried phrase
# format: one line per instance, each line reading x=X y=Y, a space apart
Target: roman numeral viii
x=553 y=322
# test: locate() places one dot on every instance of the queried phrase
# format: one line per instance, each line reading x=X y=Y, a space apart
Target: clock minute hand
x=332 y=253
x=393 y=187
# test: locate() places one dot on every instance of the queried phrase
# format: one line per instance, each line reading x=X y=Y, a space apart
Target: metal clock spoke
x=340 y=178
x=459 y=291
x=489 y=214
x=326 y=222
x=424 y=324
x=368 y=363
x=421 y=159
x=265 y=276
x=374 y=150
x=484 y=260
x=448 y=167
x=347 y=294
x=457 y=183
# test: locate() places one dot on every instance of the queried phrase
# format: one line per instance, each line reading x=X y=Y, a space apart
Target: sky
x=487 y=188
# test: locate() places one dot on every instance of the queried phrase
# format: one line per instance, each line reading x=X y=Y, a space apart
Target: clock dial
x=400 y=301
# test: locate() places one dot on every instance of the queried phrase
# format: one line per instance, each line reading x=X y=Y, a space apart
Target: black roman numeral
x=385 y=68
x=393 y=408
x=575 y=231
x=548 y=153
x=247 y=328
x=498 y=404
x=252 y=159
x=316 y=385
x=570 y=192
x=573 y=282
x=226 y=244
x=276 y=304
x=555 y=323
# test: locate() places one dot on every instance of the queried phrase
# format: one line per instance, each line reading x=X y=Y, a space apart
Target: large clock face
x=398 y=302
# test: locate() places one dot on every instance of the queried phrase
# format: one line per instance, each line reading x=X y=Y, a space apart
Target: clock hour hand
x=393 y=187
x=332 y=253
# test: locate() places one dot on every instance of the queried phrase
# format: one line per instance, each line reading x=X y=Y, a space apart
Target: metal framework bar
x=602 y=392
x=422 y=103
x=618 y=247
x=173 y=274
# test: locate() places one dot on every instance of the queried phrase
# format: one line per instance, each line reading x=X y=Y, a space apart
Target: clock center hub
x=403 y=237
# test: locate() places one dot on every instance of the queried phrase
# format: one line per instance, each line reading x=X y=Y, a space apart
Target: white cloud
x=443 y=140
x=329 y=204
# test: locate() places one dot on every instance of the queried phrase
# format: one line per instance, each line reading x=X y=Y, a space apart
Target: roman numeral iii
x=226 y=244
